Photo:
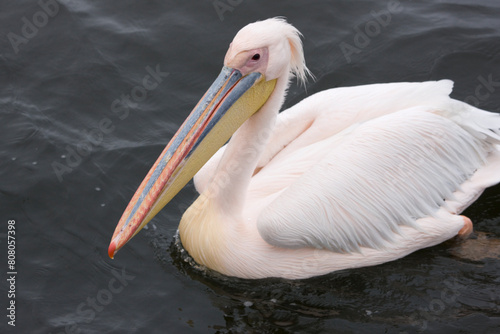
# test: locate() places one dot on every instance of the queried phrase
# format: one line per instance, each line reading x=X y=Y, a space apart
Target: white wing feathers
x=328 y=112
x=482 y=124
x=347 y=166
x=386 y=172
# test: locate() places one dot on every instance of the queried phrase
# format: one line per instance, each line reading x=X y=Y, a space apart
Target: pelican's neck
x=232 y=177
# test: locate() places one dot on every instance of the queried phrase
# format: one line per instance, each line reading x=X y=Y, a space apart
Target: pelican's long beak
x=229 y=102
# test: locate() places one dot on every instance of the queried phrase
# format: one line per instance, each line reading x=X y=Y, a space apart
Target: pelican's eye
x=256 y=56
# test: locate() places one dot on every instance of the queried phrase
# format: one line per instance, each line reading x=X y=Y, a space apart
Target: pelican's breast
x=203 y=234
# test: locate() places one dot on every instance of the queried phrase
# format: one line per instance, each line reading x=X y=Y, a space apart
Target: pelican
x=348 y=177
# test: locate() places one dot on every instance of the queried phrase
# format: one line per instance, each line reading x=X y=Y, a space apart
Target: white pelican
x=348 y=177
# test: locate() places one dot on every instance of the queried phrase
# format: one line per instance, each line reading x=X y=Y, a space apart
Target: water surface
x=57 y=108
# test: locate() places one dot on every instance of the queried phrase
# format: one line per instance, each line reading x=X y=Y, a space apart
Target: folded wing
x=374 y=177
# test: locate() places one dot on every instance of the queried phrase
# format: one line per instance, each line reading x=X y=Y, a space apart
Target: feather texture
x=384 y=173
x=348 y=177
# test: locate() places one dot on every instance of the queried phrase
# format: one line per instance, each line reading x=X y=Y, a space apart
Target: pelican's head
x=261 y=54
x=272 y=47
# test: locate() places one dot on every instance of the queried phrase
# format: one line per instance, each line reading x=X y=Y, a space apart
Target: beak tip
x=112 y=249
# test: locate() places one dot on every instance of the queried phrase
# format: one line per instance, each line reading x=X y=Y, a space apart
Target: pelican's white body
x=294 y=223
x=348 y=177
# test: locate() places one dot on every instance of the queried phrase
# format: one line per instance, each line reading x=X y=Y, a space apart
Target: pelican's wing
x=329 y=112
x=374 y=177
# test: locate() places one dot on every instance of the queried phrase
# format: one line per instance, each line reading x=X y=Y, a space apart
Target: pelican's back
x=351 y=185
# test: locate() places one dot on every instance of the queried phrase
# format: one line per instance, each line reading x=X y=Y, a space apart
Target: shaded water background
x=57 y=93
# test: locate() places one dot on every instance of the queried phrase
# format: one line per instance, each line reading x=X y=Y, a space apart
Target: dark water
x=71 y=158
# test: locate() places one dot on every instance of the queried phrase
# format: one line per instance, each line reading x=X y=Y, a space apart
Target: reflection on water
x=421 y=291
x=478 y=247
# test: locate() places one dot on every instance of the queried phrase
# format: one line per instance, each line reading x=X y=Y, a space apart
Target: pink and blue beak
x=198 y=138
